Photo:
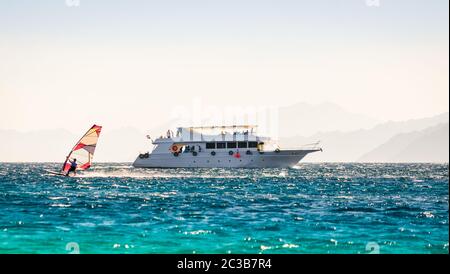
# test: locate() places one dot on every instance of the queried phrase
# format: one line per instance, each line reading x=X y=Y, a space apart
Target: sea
x=336 y=208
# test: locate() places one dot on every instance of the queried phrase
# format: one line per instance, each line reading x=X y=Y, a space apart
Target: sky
x=68 y=64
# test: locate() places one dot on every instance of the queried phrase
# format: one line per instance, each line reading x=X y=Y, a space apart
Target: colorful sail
x=83 y=151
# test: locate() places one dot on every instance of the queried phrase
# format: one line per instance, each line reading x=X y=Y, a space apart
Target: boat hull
x=281 y=159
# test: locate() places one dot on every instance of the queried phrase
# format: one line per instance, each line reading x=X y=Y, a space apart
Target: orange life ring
x=174 y=148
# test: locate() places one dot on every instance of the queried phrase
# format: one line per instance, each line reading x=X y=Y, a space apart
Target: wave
x=153 y=175
x=356 y=209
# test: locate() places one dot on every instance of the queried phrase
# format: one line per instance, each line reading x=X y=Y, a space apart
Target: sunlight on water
x=312 y=208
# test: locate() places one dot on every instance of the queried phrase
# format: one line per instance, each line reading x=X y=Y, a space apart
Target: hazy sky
x=128 y=63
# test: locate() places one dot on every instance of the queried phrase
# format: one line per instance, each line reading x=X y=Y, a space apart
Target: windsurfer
x=73 y=166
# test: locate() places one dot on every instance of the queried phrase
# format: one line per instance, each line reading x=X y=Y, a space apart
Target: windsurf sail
x=84 y=149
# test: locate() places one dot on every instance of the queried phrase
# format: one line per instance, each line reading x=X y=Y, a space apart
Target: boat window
x=220 y=145
x=252 y=144
x=242 y=144
x=231 y=144
x=261 y=146
x=210 y=145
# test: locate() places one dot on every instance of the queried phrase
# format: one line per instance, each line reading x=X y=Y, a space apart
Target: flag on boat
x=84 y=149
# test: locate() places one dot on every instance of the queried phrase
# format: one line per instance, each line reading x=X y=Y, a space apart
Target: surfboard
x=56 y=173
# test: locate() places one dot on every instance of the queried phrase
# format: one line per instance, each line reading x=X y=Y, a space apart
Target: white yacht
x=219 y=147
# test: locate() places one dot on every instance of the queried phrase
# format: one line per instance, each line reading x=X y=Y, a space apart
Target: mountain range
x=344 y=136
x=352 y=146
x=428 y=145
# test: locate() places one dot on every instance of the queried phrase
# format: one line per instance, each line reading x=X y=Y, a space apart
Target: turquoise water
x=314 y=208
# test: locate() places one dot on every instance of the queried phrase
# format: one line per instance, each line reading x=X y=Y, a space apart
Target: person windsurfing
x=73 y=166
x=81 y=155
